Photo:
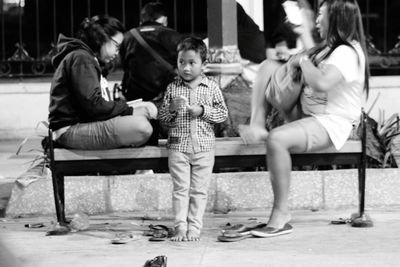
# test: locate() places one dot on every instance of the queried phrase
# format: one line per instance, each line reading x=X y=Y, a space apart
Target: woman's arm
x=306 y=28
x=85 y=85
x=320 y=79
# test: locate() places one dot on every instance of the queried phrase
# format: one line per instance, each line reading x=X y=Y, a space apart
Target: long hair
x=345 y=26
x=96 y=31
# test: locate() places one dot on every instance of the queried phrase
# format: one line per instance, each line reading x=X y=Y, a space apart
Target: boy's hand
x=195 y=110
x=178 y=103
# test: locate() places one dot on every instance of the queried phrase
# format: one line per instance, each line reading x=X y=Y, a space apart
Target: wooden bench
x=229 y=153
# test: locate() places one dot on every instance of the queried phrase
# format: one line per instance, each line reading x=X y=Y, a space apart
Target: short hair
x=96 y=31
x=196 y=44
x=152 y=11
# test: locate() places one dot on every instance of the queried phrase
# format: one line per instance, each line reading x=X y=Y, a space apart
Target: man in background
x=145 y=76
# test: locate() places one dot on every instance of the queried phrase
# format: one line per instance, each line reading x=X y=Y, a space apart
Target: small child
x=192 y=104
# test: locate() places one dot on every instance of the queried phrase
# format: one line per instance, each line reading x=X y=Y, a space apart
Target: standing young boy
x=192 y=104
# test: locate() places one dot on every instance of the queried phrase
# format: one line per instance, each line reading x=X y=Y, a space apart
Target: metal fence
x=29 y=28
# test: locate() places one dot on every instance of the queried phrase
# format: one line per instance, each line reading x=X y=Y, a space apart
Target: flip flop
x=272 y=231
x=161 y=227
x=241 y=229
x=233 y=228
x=123 y=238
x=159 y=232
x=120 y=240
x=159 y=261
x=159 y=236
x=232 y=238
x=341 y=221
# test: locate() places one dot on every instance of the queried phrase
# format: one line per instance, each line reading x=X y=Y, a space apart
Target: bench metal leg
x=58 y=190
x=361 y=219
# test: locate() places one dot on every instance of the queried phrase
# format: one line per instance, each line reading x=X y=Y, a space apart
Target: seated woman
x=334 y=75
x=82 y=112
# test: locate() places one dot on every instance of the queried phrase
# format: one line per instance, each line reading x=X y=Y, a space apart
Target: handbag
x=284 y=87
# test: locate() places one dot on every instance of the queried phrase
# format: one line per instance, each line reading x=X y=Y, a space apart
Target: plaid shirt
x=185 y=133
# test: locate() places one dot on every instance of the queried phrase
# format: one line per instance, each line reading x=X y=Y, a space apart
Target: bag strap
x=152 y=52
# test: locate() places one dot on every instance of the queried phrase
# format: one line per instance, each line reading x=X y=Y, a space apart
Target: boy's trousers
x=191 y=174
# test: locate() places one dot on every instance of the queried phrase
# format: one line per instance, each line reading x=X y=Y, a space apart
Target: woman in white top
x=335 y=75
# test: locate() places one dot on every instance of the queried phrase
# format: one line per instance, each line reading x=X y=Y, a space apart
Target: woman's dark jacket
x=75 y=94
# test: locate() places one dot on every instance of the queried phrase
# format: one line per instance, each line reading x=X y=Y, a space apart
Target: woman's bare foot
x=278 y=219
x=193 y=235
x=251 y=134
x=179 y=236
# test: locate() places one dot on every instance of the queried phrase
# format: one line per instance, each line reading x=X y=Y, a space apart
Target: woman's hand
x=147 y=109
x=305 y=29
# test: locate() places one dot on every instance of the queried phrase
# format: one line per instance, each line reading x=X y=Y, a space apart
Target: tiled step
x=228 y=191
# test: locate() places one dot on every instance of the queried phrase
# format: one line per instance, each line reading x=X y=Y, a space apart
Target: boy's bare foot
x=278 y=219
x=193 y=236
x=251 y=134
x=179 y=236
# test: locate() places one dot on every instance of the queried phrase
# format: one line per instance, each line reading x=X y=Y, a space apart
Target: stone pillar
x=224 y=64
x=224 y=55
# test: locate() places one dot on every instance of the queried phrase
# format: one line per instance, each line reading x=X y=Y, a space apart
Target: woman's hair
x=345 y=26
x=196 y=44
x=96 y=31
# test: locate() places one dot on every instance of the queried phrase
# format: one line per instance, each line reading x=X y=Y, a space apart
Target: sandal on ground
x=234 y=227
x=238 y=232
x=123 y=238
x=341 y=221
x=120 y=240
x=272 y=231
x=159 y=232
x=59 y=230
x=159 y=236
x=159 y=261
x=233 y=238
x=241 y=229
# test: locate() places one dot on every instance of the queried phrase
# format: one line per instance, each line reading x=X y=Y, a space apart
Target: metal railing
x=29 y=28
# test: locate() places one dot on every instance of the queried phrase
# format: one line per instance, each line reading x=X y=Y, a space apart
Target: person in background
x=334 y=77
x=82 y=112
x=144 y=76
x=251 y=42
x=280 y=38
x=192 y=104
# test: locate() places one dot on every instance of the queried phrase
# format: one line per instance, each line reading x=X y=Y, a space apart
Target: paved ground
x=314 y=242
x=12 y=165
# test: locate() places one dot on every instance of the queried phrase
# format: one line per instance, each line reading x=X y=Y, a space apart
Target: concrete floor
x=314 y=242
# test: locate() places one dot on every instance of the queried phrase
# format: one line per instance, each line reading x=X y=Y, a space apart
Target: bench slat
x=232 y=146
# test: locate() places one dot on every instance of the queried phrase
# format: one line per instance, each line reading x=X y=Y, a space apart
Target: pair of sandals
x=239 y=232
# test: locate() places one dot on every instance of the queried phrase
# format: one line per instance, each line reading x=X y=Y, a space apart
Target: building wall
x=23 y=105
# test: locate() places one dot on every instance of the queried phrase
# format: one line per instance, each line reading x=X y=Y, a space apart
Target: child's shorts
x=316 y=135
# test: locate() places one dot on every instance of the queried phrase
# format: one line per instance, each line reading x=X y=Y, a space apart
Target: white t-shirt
x=340 y=107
